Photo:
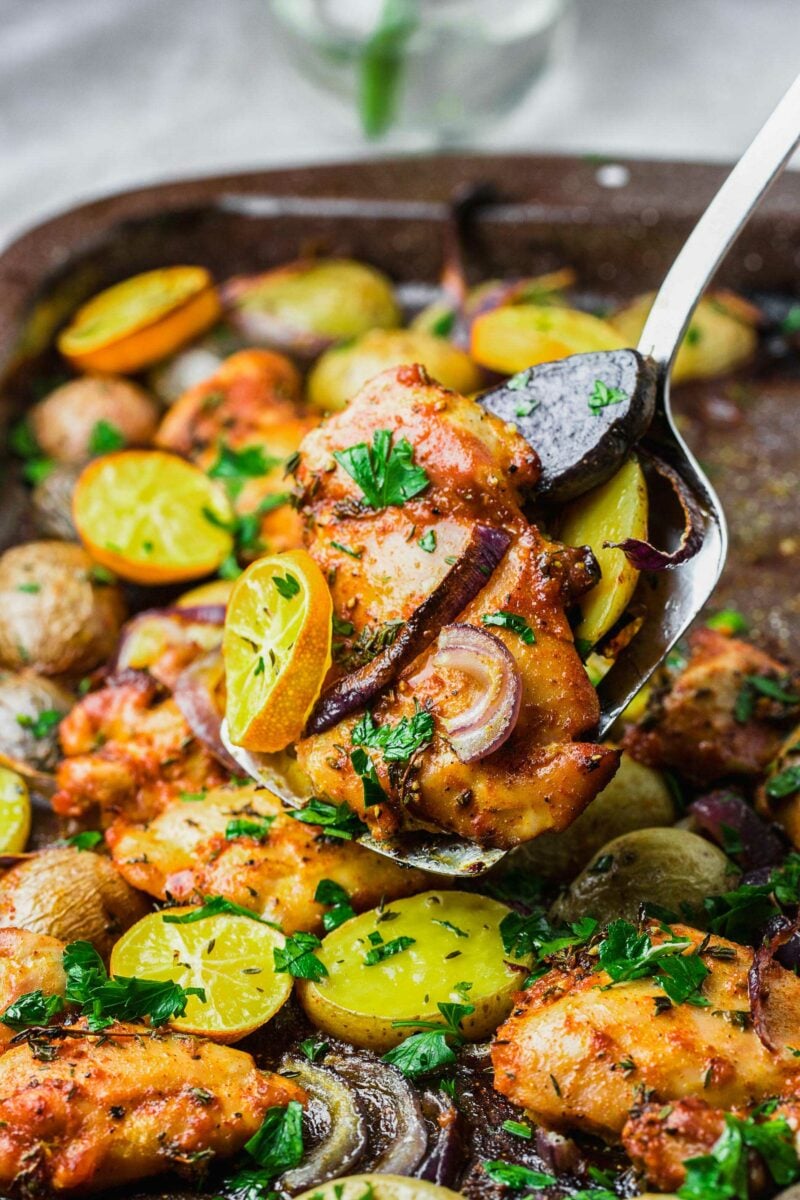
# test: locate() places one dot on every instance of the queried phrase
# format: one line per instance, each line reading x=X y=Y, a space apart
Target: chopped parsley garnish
x=105 y=438
x=786 y=783
x=626 y=953
x=428 y=541
x=298 y=958
x=602 y=396
x=741 y=913
x=33 y=1008
x=535 y=934
x=331 y=893
x=427 y=1051
x=249 y=827
x=21 y=441
x=235 y=467
x=347 y=549
x=385 y=473
x=312 y=1049
x=335 y=820
x=512 y=621
x=370 y=642
x=30 y=588
x=41 y=725
x=521 y=380
x=761 y=685
x=518 y=1128
x=84 y=841
x=461 y=933
x=278 y=1144
x=191 y=797
x=212 y=906
x=397 y=743
x=791 y=322
x=387 y=950
x=728 y=620
x=342 y=628
x=723 y=1173
x=516 y=1177
x=104 y=1000
x=525 y=408
x=364 y=767
x=287 y=585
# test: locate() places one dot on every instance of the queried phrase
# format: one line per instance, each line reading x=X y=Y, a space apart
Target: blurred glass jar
x=437 y=67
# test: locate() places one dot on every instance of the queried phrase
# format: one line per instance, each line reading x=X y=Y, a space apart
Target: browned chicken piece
x=778 y=796
x=107 y=1110
x=253 y=400
x=697 y=727
x=128 y=750
x=574 y=1054
x=184 y=854
x=29 y=962
x=549 y=769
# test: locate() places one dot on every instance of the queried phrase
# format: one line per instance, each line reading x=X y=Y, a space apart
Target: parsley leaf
x=512 y=621
x=428 y=541
x=42 y=724
x=627 y=954
x=387 y=950
x=364 y=767
x=278 y=1144
x=723 y=1174
x=287 y=585
x=105 y=999
x=237 y=466
x=516 y=1177
x=332 y=893
x=784 y=784
x=535 y=934
x=335 y=820
x=397 y=743
x=728 y=620
x=385 y=473
x=298 y=958
x=427 y=1051
x=33 y=1008
x=245 y=827
x=105 y=438
x=312 y=1049
x=211 y=907
x=761 y=685
x=518 y=1128
x=603 y=395
x=84 y=841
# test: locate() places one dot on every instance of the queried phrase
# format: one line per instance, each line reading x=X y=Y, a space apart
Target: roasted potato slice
x=92 y=415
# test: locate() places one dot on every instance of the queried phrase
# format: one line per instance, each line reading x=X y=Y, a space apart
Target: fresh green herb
x=278 y=1144
x=460 y=933
x=21 y=441
x=84 y=841
x=212 y=906
x=331 y=893
x=525 y=408
x=761 y=685
x=31 y=588
x=602 y=396
x=380 y=953
x=731 y=840
x=104 y=1000
x=312 y=1049
x=625 y=954
x=371 y=641
x=235 y=467
x=347 y=550
x=741 y=913
x=247 y=827
x=728 y=620
x=105 y=438
x=784 y=784
x=521 y=380
x=335 y=820
x=723 y=1173
x=428 y=541
x=342 y=628
x=512 y=621
x=602 y=865
x=693 y=335
x=443 y=325
x=101 y=575
x=33 y=1008
x=364 y=767
x=381 y=65
x=287 y=585
x=791 y=322
x=519 y=1129
x=427 y=1051
x=516 y=1177
x=298 y=958
x=43 y=724
x=385 y=473
x=397 y=743
x=191 y=797
x=535 y=934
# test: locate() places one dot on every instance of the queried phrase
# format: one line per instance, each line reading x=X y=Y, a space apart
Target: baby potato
x=636 y=798
x=30 y=706
x=57 y=613
x=92 y=415
x=379 y=1187
x=514 y=338
x=615 y=510
x=454 y=940
x=71 y=895
x=343 y=371
x=720 y=338
x=305 y=306
x=668 y=867
x=51 y=503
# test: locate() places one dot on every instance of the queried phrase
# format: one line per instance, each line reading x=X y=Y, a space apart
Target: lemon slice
x=15 y=812
x=277 y=649
x=514 y=338
x=152 y=517
x=141 y=320
x=227 y=955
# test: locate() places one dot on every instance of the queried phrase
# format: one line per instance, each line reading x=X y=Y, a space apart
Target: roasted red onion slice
x=483 y=726
x=194 y=694
x=468 y=575
x=394 y=1117
x=766 y=978
x=729 y=821
x=444 y=1157
x=647 y=557
x=335 y=1123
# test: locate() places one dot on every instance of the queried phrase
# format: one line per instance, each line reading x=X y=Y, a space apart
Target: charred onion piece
x=483 y=726
x=580 y=445
x=646 y=557
x=194 y=694
x=444 y=1158
x=764 y=976
x=468 y=575
x=394 y=1117
x=335 y=1122
x=717 y=813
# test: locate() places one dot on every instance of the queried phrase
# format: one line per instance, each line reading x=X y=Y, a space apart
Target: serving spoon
x=672 y=598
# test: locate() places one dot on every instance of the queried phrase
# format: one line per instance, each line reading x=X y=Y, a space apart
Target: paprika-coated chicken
x=184 y=854
x=89 y=1111
x=29 y=962
x=576 y=1052
x=478 y=469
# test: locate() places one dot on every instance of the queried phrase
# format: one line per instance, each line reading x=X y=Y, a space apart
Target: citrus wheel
x=523 y=335
x=143 y=319
x=15 y=812
x=152 y=517
x=277 y=649
x=228 y=956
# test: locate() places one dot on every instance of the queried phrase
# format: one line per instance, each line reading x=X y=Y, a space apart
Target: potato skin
x=51 y=502
x=63 y=422
x=71 y=895
x=636 y=798
x=668 y=867
x=26 y=694
x=70 y=624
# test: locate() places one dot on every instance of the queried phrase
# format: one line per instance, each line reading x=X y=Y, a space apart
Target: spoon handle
x=718 y=227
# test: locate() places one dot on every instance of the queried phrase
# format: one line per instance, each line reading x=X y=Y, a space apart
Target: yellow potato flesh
x=359 y=1002
x=610 y=513
x=512 y=339
x=379 y=1187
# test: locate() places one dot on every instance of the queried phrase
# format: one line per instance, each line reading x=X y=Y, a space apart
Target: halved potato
x=456 y=942
x=343 y=370
x=379 y=1187
x=610 y=513
x=523 y=335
